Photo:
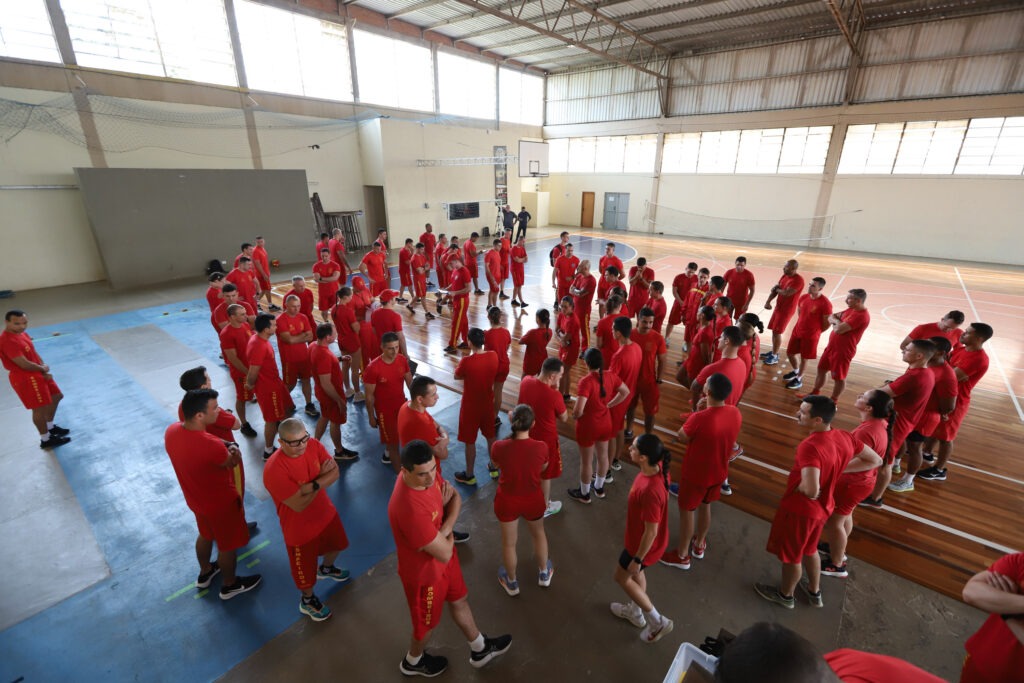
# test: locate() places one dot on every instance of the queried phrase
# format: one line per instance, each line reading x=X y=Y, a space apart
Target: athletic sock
x=478 y=644
x=910 y=478
x=652 y=617
x=599 y=482
x=413 y=661
x=49 y=426
x=44 y=437
x=584 y=488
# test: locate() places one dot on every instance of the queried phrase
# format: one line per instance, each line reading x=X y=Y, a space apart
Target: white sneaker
x=554 y=507
x=652 y=634
x=630 y=613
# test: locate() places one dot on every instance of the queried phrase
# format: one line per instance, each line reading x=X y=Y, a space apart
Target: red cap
x=387 y=295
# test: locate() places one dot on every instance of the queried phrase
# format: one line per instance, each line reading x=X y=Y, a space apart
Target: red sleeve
x=899 y=385
x=416 y=524
x=662 y=346
x=808 y=456
x=1011 y=566
x=371 y=374
x=321 y=363
x=652 y=510
x=225 y=419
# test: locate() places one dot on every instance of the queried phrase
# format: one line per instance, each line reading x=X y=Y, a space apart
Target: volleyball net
x=811 y=230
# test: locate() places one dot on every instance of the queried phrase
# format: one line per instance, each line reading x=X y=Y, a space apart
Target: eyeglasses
x=295 y=443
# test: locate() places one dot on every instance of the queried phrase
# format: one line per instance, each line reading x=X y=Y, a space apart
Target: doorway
x=376 y=213
x=587 y=211
x=616 y=211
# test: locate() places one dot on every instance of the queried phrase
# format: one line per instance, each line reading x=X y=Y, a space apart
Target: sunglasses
x=295 y=443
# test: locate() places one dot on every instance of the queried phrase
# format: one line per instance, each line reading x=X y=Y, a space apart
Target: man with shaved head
x=785 y=294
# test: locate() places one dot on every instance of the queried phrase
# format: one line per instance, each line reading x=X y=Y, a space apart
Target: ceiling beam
x=737 y=14
x=779 y=30
x=847 y=26
x=522 y=5
x=427 y=4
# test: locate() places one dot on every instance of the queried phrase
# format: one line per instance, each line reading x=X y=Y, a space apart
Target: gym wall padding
x=159 y=225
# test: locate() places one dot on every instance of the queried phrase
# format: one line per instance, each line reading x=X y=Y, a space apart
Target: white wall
x=567 y=196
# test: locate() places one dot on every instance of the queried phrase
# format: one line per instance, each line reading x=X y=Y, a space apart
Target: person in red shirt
x=681 y=285
x=234 y=342
x=752 y=328
x=346 y=326
x=492 y=269
x=330 y=391
x=702 y=347
x=876 y=415
x=337 y=248
x=948 y=327
x=657 y=304
x=439 y=251
x=625 y=364
x=405 y=255
x=567 y=331
x=941 y=402
x=293 y=338
x=374 y=267
x=498 y=339
x=970 y=363
x=694 y=298
x=556 y=253
x=420 y=271
x=808 y=500
x=582 y=290
x=414 y=422
x=506 y=253
x=847 y=329
x=709 y=435
x=729 y=343
x=787 y=291
x=609 y=278
x=386 y=319
x=222 y=427
x=470 y=260
x=813 y=311
x=429 y=241
x=261 y=266
x=910 y=394
x=229 y=297
x=246 y=252
x=327 y=275
x=305 y=295
x=646 y=537
x=382 y=241
x=203 y=465
x=478 y=372
x=459 y=283
x=723 y=317
x=596 y=393
x=31 y=379
x=739 y=283
x=518 y=270
x=295 y=477
x=324 y=243
x=422 y=514
x=652 y=354
x=541 y=393
x=242 y=277
x=996 y=650
x=566 y=266
x=385 y=379
x=522 y=462
x=609 y=260
x=213 y=295
x=640 y=279
x=604 y=336
x=271 y=394
x=536 y=343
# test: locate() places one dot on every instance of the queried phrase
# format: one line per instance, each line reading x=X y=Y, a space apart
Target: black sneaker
x=252 y=527
x=580 y=497
x=266 y=455
x=523 y=304
x=824 y=549
x=870 y=502
x=243 y=584
x=346 y=455
x=247 y=430
x=428 y=666
x=205 y=578
x=460 y=536
x=275 y=307
x=599 y=492
x=464 y=346
x=402 y=300
x=57 y=430
x=928 y=457
x=468 y=479
x=726 y=489
x=478 y=292
x=311 y=410
x=789 y=375
x=515 y=303
x=932 y=474
x=450 y=349
x=385 y=459
x=493 y=647
x=831 y=569
x=54 y=441
x=503 y=296
x=628 y=434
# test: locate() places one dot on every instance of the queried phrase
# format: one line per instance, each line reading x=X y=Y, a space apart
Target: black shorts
x=625 y=559
x=915 y=437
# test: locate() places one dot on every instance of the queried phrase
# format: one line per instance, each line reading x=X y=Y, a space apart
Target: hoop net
x=811 y=229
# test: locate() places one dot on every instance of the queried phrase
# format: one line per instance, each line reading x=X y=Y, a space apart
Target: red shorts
x=793 y=536
x=928 y=423
x=554 y=468
x=502 y=374
x=405 y=277
x=589 y=431
x=518 y=276
x=504 y=271
x=781 y=315
x=647 y=394
x=330 y=409
x=900 y=431
x=264 y=284
x=675 y=316
x=847 y=497
x=303 y=558
x=948 y=429
x=839 y=367
x=274 y=401
x=242 y=392
x=476 y=416
x=568 y=355
x=803 y=345
x=226 y=526
x=618 y=414
x=387 y=425
x=420 y=286
x=293 y=370
x=349 y=344
x=33 y=389
x=472 y=268
x=692 y=495
x=325 y=299
x=495 y=285
x=377 y=287
x=508 y=508
x=425 y=606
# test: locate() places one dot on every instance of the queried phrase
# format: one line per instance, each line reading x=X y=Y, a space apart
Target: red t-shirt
x=946 y=386
x=439 y=252
x=386 y=320
x=521 y=462
x=626 y=364
x=469 y=253
x=221 y=428
x=505 y=250
x=972 y=363
x=282 y=476
x=565 y=271
x=492 y=260
x=605 y=332
x=684 y=283
x=429 y=241
x=569 y=326
x=711 y=434
x=547 y=405
x=738 y=284
x=198 y=459
x=794 y=281
x=405 y=261
x=845 y=345
x=305 y=300
x=259 y=255
x=830 y=452
x=651 y=346
x=323 y=362
x=246 y=283
x=459 y=279
x=536 y=343
x=607 y=261
x=376 y=266
x=261 y=353
x=995 y=652
x=639 y=290
x=498 y=339
x=648 y=503
x=733 y=368
x=337 y=250
x=17 y=345
x=695 y=362
x=323 y=244
x=853 y=666
x=589 y=387
x=477 y=372
x=910 y=394
x=327 y=290
x=416 y=517
x=344 y=317
x=213 y=298
x=220 y=314
x=810 y=314
x=929 y=330
x=236 y=338
x=388 y=381
x=518 y=252
x=413 y=424
x=420 y=261
x=587 y=283
x=873 y=432
x=660 y=308
x=295 y=325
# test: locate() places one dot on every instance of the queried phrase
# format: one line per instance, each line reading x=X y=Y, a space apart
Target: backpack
x=214 y=266
x=553 y=254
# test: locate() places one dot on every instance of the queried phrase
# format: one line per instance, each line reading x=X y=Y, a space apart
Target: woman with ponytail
x=597 y=391
x=751 y=326
x=521 y=461
x=498 y=339
x=875 y=430
x=646 y=537
x=536 y=343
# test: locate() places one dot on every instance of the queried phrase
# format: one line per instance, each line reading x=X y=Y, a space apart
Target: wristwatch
x=638 y=560
x=316 y=485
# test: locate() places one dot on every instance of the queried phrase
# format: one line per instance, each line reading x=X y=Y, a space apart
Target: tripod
x=499 y=221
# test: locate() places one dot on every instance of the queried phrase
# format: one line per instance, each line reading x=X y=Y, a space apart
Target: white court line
x=995 y=356
x=991 y=474
x=839 y=284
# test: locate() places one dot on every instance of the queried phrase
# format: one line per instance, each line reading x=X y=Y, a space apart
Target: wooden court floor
x=938 y=535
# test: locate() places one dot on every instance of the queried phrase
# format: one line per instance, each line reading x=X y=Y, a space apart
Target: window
x=558 y=155
x=520 y=97
x=581 y=155
x=930 y=147
x=718 y=151
x=185 y=39
x=608 y=154
x=394 y=73
x=467 y=86
x=25 y=31
x=804 y=150
x=993 y=146
x=291 y=53
x=759 y=151
x=640 y=153
x=680 y=153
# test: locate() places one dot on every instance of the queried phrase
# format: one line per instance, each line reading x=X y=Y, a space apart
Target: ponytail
x=522 y=418
x=651 y=447
x=595 y=361
x=883 y=408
